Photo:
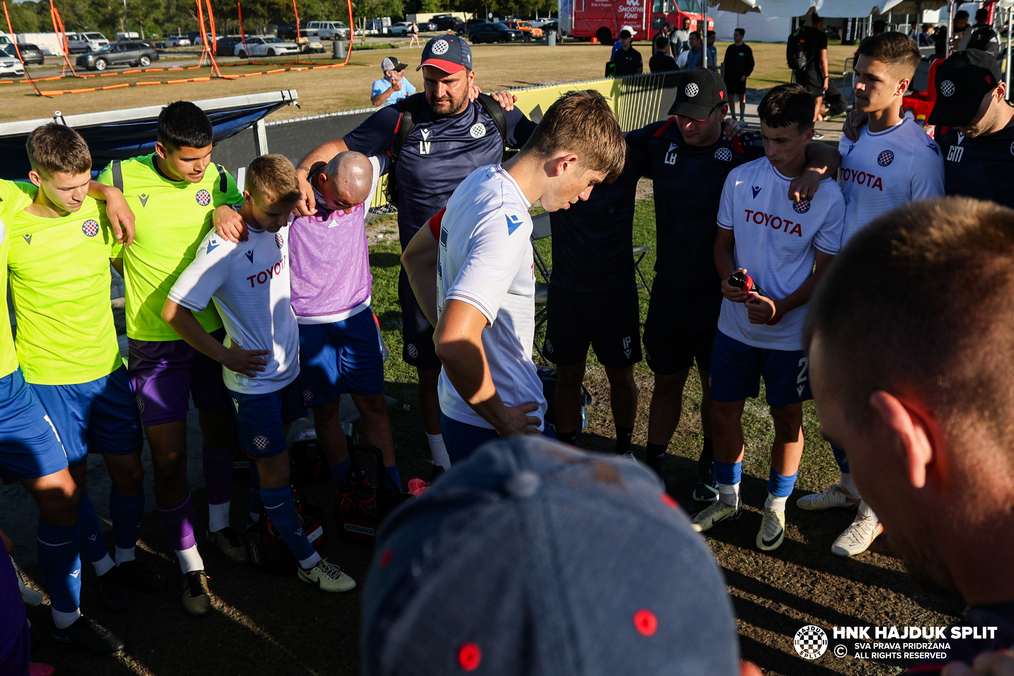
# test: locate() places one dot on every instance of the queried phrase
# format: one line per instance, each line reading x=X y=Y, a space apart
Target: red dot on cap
x=645 y=622
x=385 y=558
x=667 y=499
x=469 y=656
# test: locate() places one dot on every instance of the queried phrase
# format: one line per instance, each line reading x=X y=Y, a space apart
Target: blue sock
x=728 y=473
x=59 y=555
x=781 y=486
x=126 y=513
x=339 y=471
x=93 y=547
x=840 y=458
x=255 y=489
x=281 y=511
x=393 y=471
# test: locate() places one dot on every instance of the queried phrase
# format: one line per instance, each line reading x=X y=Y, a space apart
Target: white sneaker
x=328 y=577
x=835 y=496
x=28 y=595
x=772 y=530
x=715 y=513
x=858 y=537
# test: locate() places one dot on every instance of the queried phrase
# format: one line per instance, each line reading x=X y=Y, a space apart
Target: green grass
x=817 y=470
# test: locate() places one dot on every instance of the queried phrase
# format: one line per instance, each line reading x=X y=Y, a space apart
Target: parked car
x=264 y=45
x=329 y=30
x=447 y=22
x=176 y=41
x=85 y=42
x=226 y=45
x=29 y=53
x=197 y=39
x=493 y=32
x=126 y=53
x=527 y=28
x=427 y=27
x=400 y=28
x=11 y=67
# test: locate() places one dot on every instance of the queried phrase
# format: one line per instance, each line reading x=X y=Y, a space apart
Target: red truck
x=603 y=19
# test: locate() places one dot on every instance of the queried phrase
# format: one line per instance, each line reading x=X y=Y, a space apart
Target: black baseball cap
x=698 y=93
x=962 y=82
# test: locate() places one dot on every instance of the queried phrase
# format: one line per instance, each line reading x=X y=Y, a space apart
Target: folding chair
x=639 y=253
x=541 y=229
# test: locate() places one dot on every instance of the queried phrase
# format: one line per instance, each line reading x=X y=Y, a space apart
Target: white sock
x=190 y=559
x=729 y=494
x=865 y=511
x=218 y=516
x=848 y=483
x=438 y=451
x=310 y=561
x=103 y=566
x=124 y=555
x=776 y=503
x=64 y=620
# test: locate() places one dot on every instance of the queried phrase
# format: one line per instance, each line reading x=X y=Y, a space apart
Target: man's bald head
x=346 y=180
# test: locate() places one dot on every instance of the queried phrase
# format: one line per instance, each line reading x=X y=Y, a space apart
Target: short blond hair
x=274 y=178
x=582 y=122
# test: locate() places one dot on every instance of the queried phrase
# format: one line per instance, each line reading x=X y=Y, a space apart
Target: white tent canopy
x=759 y=27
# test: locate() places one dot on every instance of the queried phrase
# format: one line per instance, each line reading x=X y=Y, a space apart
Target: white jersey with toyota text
x=886 y=169
x=249 y=283
x=486 y=261
x=776 y=243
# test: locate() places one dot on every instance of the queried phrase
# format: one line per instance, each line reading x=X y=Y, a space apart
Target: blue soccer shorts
x=29 y=445
x=98 y=416
x=340 y=357
x=261 y=418
x=737 y=369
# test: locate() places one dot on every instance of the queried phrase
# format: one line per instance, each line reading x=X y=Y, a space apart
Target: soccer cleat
x=112 y=593
x=228 y=544
x=88 y=634
x=28 y=595
x=195 y=595
x=772 y=530
x=716 y=513
x=858 y=537
x=835 y=496
x=328 y=577
x=143 y=577
x=706 y=489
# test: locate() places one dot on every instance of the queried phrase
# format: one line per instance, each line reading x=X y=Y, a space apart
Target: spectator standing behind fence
x=627 y=60
x=811 y=70
x=738 y=66
x=660 y=61
x=981 y=36
x=680 y=38
x=712 y=52
x=691 y=58
x=414 y=42
x=393 y=87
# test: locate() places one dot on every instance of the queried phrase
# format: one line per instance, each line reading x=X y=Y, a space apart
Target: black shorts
x=418 y=349
x=609 y=321
x=812 y=80
x=736 y=87
x=680 y=328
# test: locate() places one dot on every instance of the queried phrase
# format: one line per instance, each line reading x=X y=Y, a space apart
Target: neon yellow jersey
x=171 y=219
x=14 y=197
x=60 y=280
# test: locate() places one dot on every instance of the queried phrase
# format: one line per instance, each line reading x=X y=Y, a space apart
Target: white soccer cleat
x=835 y=496
x=28 y=595
x=715 y=513
x=858 y=537
x=772 y=530
x=328 y=577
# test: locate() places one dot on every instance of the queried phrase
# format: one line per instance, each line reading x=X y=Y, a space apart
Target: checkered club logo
x=885 y=158
x=723 y=155
x=692 y=90
x=947 y=88
x=140 y=404
x=810 y=642
x=203 y=198
x=261 y=442
x=90 y=227
x=478 y=130
x=278 y=240
x=441 y=47
x=307 y=396
x=801 y=207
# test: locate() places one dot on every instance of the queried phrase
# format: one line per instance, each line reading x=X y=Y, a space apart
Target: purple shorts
x=164 y=374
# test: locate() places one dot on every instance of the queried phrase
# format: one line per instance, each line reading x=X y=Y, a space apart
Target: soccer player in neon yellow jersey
x=58 y=252
x=31 y=451
x=174 y=192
